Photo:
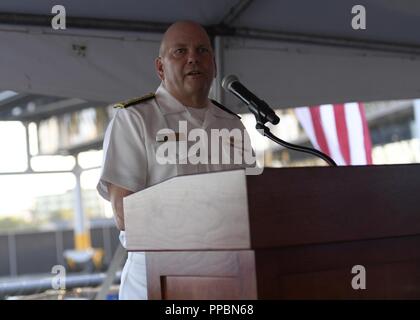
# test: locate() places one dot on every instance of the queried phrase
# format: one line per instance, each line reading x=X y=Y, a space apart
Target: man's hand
x=116 y=195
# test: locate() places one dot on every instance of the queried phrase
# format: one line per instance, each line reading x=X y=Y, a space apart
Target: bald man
x=186 y=67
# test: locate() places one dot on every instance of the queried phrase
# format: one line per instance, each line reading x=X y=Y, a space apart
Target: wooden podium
x=293 y=233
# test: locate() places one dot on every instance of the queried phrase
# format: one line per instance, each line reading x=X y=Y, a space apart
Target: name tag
x=174 y=136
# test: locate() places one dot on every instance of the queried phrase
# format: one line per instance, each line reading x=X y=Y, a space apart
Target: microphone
x=257 y=106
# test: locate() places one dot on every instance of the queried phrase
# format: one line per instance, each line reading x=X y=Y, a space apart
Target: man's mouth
x=194 y=73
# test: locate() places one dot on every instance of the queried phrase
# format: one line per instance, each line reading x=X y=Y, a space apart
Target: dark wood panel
x=324 y=271
x=314 y=205
x=308 y=258
x=387 y=281
x=192 y=270
x=200 y=288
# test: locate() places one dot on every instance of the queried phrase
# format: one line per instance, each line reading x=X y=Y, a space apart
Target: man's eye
x=179 y=51
x=203 y=50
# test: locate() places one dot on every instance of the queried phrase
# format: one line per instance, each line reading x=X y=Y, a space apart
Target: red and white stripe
x=339 y=130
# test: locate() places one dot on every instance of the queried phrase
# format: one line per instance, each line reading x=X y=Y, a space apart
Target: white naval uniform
x=129 y=160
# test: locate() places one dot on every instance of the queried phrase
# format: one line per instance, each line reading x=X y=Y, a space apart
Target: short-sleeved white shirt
x=129 y=159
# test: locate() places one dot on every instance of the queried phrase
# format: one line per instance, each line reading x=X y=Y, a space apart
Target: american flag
x=339 y=130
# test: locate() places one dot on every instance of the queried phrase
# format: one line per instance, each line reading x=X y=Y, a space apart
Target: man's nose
x=193 y=57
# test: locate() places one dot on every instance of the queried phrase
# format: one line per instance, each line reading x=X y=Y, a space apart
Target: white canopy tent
x=291 y=53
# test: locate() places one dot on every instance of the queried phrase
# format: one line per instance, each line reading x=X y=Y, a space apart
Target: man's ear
x=159 y=68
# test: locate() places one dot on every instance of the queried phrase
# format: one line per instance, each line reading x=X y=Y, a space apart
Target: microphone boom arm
x=261 y=120
x=267 y=133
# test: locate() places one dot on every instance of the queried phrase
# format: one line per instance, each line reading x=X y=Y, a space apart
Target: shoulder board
x=131 y=102
x=221 y=106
